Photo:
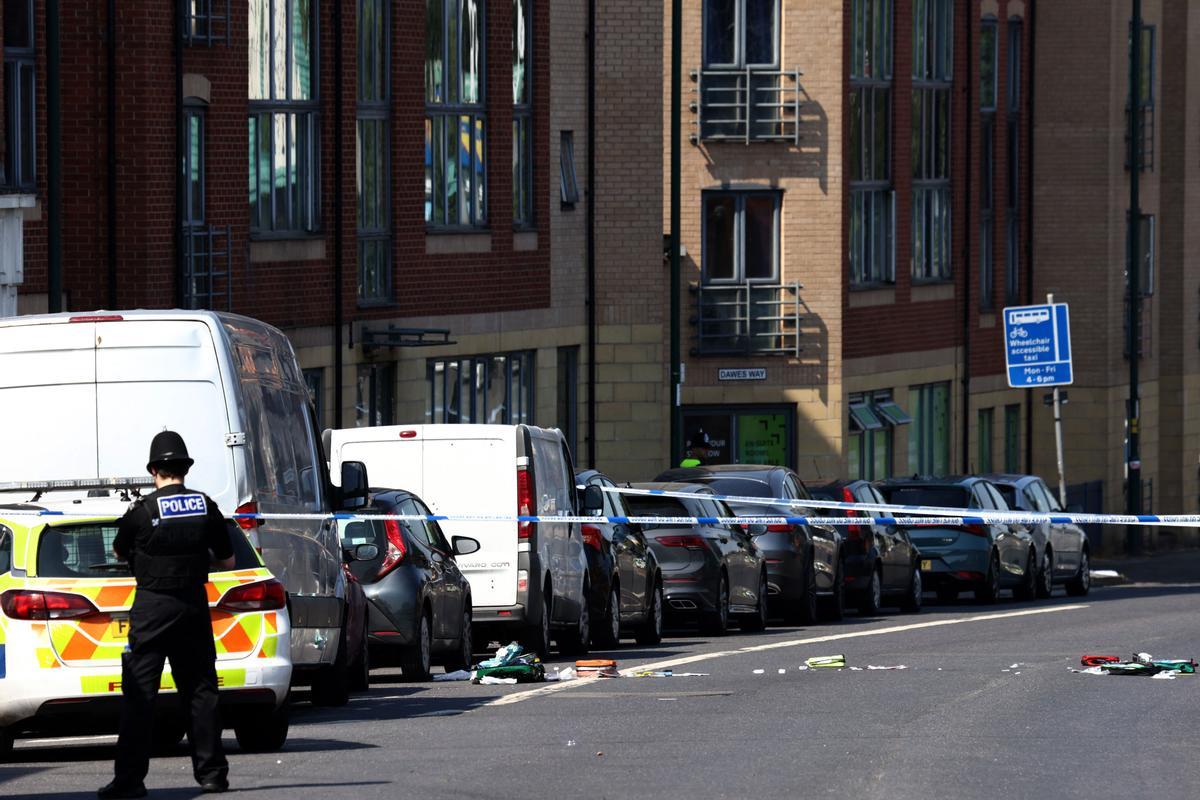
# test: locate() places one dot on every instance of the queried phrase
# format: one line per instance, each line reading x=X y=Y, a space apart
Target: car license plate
x=120 y=628
x=926 y=564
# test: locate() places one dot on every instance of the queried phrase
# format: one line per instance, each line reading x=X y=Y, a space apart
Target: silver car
x=1062 y=548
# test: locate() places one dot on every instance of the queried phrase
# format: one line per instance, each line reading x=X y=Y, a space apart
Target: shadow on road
x=190 y=792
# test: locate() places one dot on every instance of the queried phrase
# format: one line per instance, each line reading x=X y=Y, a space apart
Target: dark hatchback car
x=419 y=603
x=625 y=581
x=803 y=561
x=880 y=562
x=982 y=558
x=711 y=571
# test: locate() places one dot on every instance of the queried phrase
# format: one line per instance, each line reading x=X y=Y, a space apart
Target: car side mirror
x=361 y=552
x=464 y=545
x=355 y=488
x=756 y=529
x=593 y=499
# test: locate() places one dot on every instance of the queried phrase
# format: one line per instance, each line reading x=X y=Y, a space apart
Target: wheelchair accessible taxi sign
x=1037 y=345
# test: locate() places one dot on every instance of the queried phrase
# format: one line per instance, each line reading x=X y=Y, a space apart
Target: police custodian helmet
x=168 y=447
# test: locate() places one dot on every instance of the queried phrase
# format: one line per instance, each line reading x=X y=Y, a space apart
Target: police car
x=64 y=622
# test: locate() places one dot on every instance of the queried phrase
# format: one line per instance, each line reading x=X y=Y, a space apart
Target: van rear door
x=455 y=469
x=155 y=374
x=48 y=402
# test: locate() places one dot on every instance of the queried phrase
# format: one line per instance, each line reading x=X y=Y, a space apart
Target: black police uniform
x=166 y=537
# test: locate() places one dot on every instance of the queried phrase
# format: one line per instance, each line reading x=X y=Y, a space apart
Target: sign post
x=1037 y=352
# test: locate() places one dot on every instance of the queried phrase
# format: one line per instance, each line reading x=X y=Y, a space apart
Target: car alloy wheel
x=1082 y=582
x=872 y=598
x=912 y=600
x=1045 y=586
x=989 y=591
x=650 y=631
x=416 y=659
x=461 y=659
x=1028 y=586
x=608 y=634
x=717 y=621
x=758 y=620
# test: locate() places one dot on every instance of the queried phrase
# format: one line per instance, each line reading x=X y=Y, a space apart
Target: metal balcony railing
x=207 y=268
x=747 y=319
x=747 y=105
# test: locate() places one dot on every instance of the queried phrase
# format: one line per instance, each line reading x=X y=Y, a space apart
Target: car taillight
x=30 y=605
x=690 y=542
x=853 y=532
x=524 y=502
x=261 y=596
x=592 y=536
x=248 y=523
x=396 y=549
x=779 y=528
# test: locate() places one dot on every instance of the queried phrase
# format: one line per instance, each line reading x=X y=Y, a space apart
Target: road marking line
x=518 y=697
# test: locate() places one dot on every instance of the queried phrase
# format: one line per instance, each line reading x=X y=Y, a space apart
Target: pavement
x=987 y=707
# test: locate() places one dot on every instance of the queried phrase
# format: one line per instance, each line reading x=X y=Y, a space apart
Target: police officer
x=168 y=538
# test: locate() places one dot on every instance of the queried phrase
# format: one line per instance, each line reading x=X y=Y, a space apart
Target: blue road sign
x=1037 y=345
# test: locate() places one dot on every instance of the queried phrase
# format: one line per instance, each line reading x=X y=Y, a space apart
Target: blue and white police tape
x=1011 y=518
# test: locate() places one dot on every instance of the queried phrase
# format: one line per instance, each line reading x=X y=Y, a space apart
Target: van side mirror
x=464 y=545
x=593 y=499
x=355 y=488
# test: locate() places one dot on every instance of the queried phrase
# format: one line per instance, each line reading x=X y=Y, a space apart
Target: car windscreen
x=944 y=496
x=85 y=551
x=738 y=487
x=654 y=506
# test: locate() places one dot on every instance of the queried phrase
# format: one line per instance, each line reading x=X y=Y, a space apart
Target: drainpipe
x=591 y=234
x=110 y=35
x=53 y=160
x=337 y=214
x=972 y=118
x=676 y=113
x=179 y=147
x=1031 y=14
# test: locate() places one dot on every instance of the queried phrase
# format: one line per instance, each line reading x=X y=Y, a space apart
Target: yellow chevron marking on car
x=111 y=684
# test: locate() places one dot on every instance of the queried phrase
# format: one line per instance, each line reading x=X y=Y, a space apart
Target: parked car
x=626 y=581
x=982 y=558
x=711 y=572
x=529 y=580
x=65 y=601
x=804 y=562
x=1062 y=546
x=881 y=564
x=100 y=385
x=419 y=602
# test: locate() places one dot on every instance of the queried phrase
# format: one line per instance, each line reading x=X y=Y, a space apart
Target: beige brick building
x=1082 y=196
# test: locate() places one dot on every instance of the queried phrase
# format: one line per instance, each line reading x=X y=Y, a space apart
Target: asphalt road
x=987 y=707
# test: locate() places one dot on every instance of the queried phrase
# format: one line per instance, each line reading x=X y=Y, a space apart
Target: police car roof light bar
x=76 y=484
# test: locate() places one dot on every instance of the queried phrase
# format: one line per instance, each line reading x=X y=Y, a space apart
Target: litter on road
x=597 y=668
x=667 y=673
x=1142 y=664
x=897 y=666
x=457 y=675
x=832 y=662
x=510 y=665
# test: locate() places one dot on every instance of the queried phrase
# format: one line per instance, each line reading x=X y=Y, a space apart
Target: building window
x=1012 y=265
x=374 y=150
x=933 y=34
x=20 y=96
x=568 y=181
x=739 y=435
x=929 y=439
x=193 y=166
x=874 y=417
x=1145 y=103
x=522 y=142
x=206 y=22
x=872 y=200
x=314 y=381
x=987 y=161
x=284 y=125
x=741 y=94
x=455 y=119
x=741 y=236
x=493 y=389
x=568 y=396
x=1012 y=438
x=985 y=440
x=375 y=397
x=1146 y=234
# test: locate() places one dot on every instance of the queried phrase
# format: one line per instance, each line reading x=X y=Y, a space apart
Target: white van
x=521 y=567
x=82 y=395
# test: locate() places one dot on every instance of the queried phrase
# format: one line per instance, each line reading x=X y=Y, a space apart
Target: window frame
x=1014 y=72
x=923 y=458
x=188 y=215
x=931 y=256
x=984 y=443
x=22 y=61
x=380 y=399
x=739 y=251
x=524 y=199
x=872 y=252
x=306 y=221
x=567 y=176
x=863 y=444
x=373 y=110
x=470 y=410
x=739 y=39
x=444 y=111
x=1012 y=437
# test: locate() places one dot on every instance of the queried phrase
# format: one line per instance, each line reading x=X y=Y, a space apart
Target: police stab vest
x=174 y=556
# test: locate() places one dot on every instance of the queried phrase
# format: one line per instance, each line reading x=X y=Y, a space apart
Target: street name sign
x=742 y=374
x=1037 y=345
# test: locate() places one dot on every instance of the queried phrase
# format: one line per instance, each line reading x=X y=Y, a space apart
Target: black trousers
x=174 y=627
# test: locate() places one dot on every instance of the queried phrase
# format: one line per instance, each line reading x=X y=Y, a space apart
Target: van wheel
x=536 y=638
x=416 y=660
x=574 y=642
x=608 y=632
x=650 y=631
x=331 y=684
x=6 y=744
x=263 y=733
